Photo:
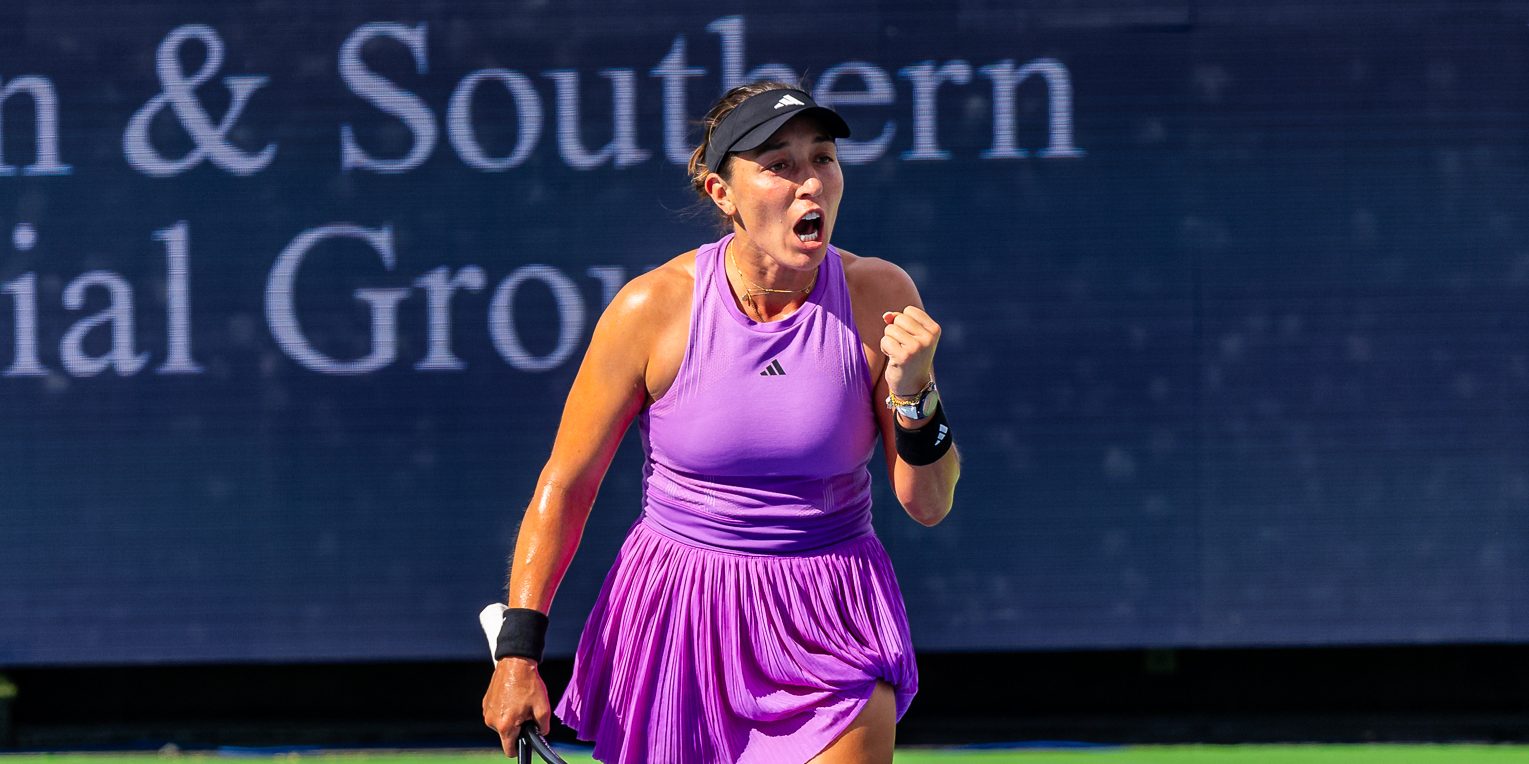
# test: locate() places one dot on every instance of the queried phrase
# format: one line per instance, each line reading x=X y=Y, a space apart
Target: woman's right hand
x=515 y=696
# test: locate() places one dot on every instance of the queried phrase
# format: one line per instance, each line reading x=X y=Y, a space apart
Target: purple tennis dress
x=752 y=609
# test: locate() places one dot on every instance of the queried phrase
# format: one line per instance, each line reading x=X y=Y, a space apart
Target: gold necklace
x=747 y=298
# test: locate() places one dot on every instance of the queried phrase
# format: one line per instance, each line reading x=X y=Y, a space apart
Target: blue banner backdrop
x=291 y=293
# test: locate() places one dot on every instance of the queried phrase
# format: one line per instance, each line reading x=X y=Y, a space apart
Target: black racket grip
x=531 y=740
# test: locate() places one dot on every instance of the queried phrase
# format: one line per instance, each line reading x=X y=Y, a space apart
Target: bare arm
x=892 y=319
x=606 y=396
x=927 y=492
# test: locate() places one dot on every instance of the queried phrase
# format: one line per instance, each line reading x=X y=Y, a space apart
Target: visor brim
x=756 y=137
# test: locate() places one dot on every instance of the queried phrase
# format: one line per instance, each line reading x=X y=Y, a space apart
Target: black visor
x=752 y=122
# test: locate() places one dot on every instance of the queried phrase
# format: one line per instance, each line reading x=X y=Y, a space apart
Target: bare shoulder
x=877 y=284
x=648 y=321
x=655 y=297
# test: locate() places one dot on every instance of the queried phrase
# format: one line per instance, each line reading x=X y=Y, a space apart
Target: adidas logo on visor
x=788 y=100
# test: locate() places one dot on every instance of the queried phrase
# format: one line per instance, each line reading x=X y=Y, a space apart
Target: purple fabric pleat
x=694 y=656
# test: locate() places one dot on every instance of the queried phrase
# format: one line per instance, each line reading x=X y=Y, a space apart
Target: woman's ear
x=721 y=194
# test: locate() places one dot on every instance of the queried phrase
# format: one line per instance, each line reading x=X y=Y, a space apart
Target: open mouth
x=810 y=227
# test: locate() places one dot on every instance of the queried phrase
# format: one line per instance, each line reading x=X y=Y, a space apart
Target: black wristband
x=522 y=634
x=926 y=444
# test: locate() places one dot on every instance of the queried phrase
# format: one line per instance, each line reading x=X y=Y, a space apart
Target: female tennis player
x=751 y=614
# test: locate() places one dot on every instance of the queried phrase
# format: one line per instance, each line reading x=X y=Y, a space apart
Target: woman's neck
x=763 y=289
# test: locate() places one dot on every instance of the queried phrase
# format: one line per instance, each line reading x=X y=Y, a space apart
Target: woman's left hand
x=908 y=341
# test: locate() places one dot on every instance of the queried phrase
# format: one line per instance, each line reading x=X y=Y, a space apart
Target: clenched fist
x=908 y=342
x=515 y=696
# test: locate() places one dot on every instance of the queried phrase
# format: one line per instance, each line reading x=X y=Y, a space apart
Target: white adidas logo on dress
x=788 y=100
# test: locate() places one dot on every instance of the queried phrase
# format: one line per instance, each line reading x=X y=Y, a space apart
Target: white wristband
x=491 y=618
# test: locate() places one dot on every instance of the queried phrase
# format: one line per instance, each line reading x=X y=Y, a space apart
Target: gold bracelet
x=897 y=400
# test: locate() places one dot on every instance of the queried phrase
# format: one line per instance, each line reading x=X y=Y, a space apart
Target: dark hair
x=714 y=116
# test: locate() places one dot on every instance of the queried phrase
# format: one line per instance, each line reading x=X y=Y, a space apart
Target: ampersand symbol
x=180 y=95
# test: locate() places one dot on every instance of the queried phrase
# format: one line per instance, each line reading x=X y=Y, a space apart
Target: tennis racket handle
x=531 y=737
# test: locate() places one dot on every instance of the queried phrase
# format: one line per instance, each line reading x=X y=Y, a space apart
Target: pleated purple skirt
x=694 y=655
